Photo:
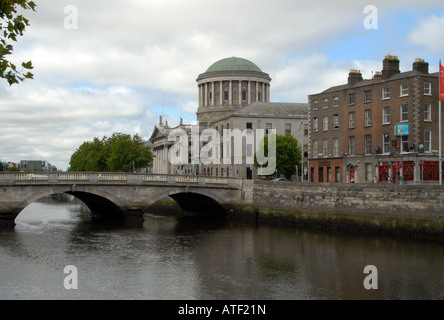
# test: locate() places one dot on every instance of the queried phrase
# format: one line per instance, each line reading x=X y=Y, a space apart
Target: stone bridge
x=126 y=195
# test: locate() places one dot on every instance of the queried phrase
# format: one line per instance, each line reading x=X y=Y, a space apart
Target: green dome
x=233 y=64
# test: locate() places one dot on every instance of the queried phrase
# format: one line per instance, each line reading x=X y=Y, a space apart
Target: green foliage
x=13 y=25
x=288 y=154
x=118 y=153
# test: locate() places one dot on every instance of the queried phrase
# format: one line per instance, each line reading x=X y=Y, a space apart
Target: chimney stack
x=390 y=66
x=354 y=76
x=421 y=66
x=378 y=76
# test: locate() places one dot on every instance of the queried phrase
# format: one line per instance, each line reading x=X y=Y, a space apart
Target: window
x=427 y=112
x=325 y=123
x=385 y=93
x=226 y=95
x=338 y=174
x=315 y=148
x=368 y=172
x=427 y=141
x=404 y=112
x=368 y=118
x=325 y=103
x=404 y=90
x=335 y=121
x=351 y=98
x=335 y=101
x=368 y=96
x=211 y=96
x=386 y=115
x=368 y=143
x=268 y=127
x=249 y=125
x=325 y=147
x=244 y=95
x=288 y=128
x=335 y=147
x=259 y=98
x=351 y=145
x=315 y=124
x=386 y=143
x=305 y=129
x=427 y=88
x=329 y=174
x=351 y=120
x=315 y=105
x=404 y=143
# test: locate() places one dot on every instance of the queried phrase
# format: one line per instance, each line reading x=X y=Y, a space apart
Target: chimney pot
x=354 y=76
x=390 y=66
x=421 y=66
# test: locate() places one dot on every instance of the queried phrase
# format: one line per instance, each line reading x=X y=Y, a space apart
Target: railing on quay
x=7 y=178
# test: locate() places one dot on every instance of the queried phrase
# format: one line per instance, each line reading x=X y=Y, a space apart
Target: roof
x=273 y=109
x=367 y=82
x=233 y=64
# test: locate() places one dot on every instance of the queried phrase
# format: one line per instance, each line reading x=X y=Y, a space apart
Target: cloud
x=130 y=61
x=428 y=34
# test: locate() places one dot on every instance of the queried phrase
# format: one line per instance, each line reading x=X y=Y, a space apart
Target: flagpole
x=440 y=151
x=439 y=126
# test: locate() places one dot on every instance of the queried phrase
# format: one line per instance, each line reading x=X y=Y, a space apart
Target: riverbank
x=402 y=213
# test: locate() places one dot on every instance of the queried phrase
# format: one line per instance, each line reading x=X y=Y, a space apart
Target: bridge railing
x=113 y=177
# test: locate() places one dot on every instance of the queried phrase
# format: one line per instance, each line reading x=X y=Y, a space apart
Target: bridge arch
x=195 y=202
x=99 y=202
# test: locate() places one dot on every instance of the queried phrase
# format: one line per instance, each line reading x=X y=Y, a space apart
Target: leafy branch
x=13 y=25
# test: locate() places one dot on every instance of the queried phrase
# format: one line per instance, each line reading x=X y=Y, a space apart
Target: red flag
x=441 y=81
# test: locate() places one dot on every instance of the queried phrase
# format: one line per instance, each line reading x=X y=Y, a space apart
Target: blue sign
x=402 y=129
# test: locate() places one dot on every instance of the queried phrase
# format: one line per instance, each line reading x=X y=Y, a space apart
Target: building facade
x=36 y=165
x=386 y=127
x=233 y=93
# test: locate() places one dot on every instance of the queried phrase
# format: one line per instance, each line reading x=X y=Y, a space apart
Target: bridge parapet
x=113 y=178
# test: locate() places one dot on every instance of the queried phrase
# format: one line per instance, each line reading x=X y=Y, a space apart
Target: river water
x=171 y=258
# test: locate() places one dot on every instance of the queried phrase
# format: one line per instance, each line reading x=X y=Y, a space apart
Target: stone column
x=257 y=91
x=240 y=92
x=249 y=92
x=200 y=96
x=221 y=95
x=212 y=93
x=230 y=93
x=206 y=94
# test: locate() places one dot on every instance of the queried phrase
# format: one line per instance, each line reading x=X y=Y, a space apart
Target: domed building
x=228 y=85
x=233 y=93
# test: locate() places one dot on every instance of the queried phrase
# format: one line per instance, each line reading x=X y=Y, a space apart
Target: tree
x=120 y=152
x=90 y=156
x=288 y=154
x=13 y=25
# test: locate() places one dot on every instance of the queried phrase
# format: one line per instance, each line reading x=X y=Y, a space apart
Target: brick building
x=385 y=126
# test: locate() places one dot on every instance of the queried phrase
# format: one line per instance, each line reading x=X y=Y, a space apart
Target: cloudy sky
x=104 y=66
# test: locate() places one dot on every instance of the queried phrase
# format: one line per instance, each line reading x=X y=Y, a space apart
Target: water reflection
x=172 y=258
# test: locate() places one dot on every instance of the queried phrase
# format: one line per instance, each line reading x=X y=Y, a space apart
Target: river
x=170 y=258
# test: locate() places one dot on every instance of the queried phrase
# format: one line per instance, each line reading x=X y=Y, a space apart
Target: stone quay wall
x=413 y=210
